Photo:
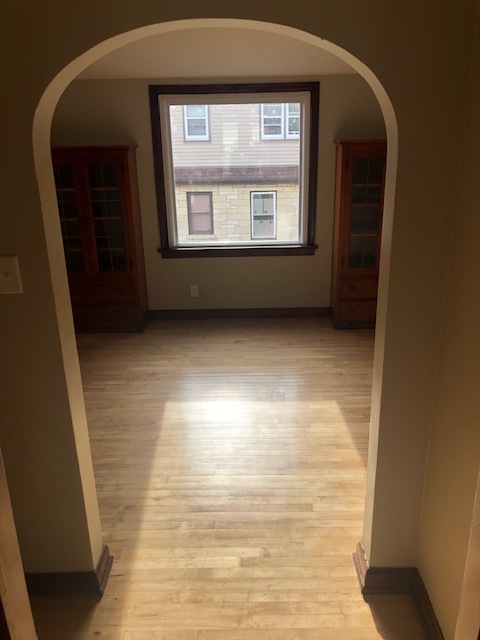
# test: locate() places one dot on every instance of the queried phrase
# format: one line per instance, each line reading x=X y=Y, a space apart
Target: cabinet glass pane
x=367 y=170
x=364 y=219
x=112 y=260
x=362 y=251
x=108 y=216
x=102 y=174
x=68 y=211
x=365 y=212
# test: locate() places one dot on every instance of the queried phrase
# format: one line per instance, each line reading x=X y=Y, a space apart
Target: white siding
x=234 y=140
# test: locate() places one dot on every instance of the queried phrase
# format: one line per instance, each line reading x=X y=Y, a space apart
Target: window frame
x=190 y=213
x=195 y=138
x=306 y=246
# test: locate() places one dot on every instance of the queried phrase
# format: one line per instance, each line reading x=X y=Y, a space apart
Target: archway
x=41 y=146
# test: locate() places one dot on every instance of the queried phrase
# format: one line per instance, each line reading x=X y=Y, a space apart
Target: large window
x=241 y=188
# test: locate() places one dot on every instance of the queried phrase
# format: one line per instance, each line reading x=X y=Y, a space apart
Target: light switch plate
x=10 y=280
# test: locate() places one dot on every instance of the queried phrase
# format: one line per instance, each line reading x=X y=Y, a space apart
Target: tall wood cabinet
x=99 y=211
x=359 y=189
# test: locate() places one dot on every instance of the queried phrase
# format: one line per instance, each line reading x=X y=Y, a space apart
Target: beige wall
x=420 y=54
x=116 y=111
x=454 y=454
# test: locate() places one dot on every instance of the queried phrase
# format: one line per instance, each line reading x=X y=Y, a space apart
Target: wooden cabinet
x=359 y=188
x=99 y=211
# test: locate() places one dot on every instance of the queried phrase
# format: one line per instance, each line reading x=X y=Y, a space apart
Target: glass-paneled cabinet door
x=365 y=211
x=108 y=216
x=70 y=219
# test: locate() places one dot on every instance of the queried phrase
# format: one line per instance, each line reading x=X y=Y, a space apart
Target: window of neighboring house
x=265 y=195
x=263 y=208
x=195 y=121
x=293 y=120
x=272 y=125
x=200 y=212
x=279 y=121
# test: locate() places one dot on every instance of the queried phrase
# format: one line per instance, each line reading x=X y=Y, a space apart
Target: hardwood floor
x=230 y=460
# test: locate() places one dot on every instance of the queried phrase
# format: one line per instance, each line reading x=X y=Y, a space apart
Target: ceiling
x=213 y=52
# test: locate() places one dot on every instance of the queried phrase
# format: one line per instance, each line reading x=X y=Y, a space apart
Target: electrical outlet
x=10 y=281
x=194 y=290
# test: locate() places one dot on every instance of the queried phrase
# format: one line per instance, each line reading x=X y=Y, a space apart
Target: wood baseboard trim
x=274 y=312
x=103 y=568
x=89 y=583
x=384 y=580
x=422 y=600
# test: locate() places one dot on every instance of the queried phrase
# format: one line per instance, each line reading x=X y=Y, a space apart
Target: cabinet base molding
x=269 y=312
x=384 y=580
x=89 y=583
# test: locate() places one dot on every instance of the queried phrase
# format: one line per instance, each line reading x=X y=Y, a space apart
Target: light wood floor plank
x=230 y=461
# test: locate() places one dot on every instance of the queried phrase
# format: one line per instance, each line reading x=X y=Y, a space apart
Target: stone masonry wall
x=231 y=211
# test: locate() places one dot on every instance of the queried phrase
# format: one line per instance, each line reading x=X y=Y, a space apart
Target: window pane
x=263 y=203
x=294 y=125
x=272 y=110
x=272 y=121
x=196 y=127
x=199 y=202
x=201 y=223
x=272 y=130
x=237 y=162
x=196 y=110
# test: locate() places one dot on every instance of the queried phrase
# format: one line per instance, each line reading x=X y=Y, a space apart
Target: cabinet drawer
x=358 y=288
x=102 y=292
x=358 y=311
x=106 y=316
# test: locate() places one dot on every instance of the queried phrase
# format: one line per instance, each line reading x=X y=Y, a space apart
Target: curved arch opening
x=42 y=156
